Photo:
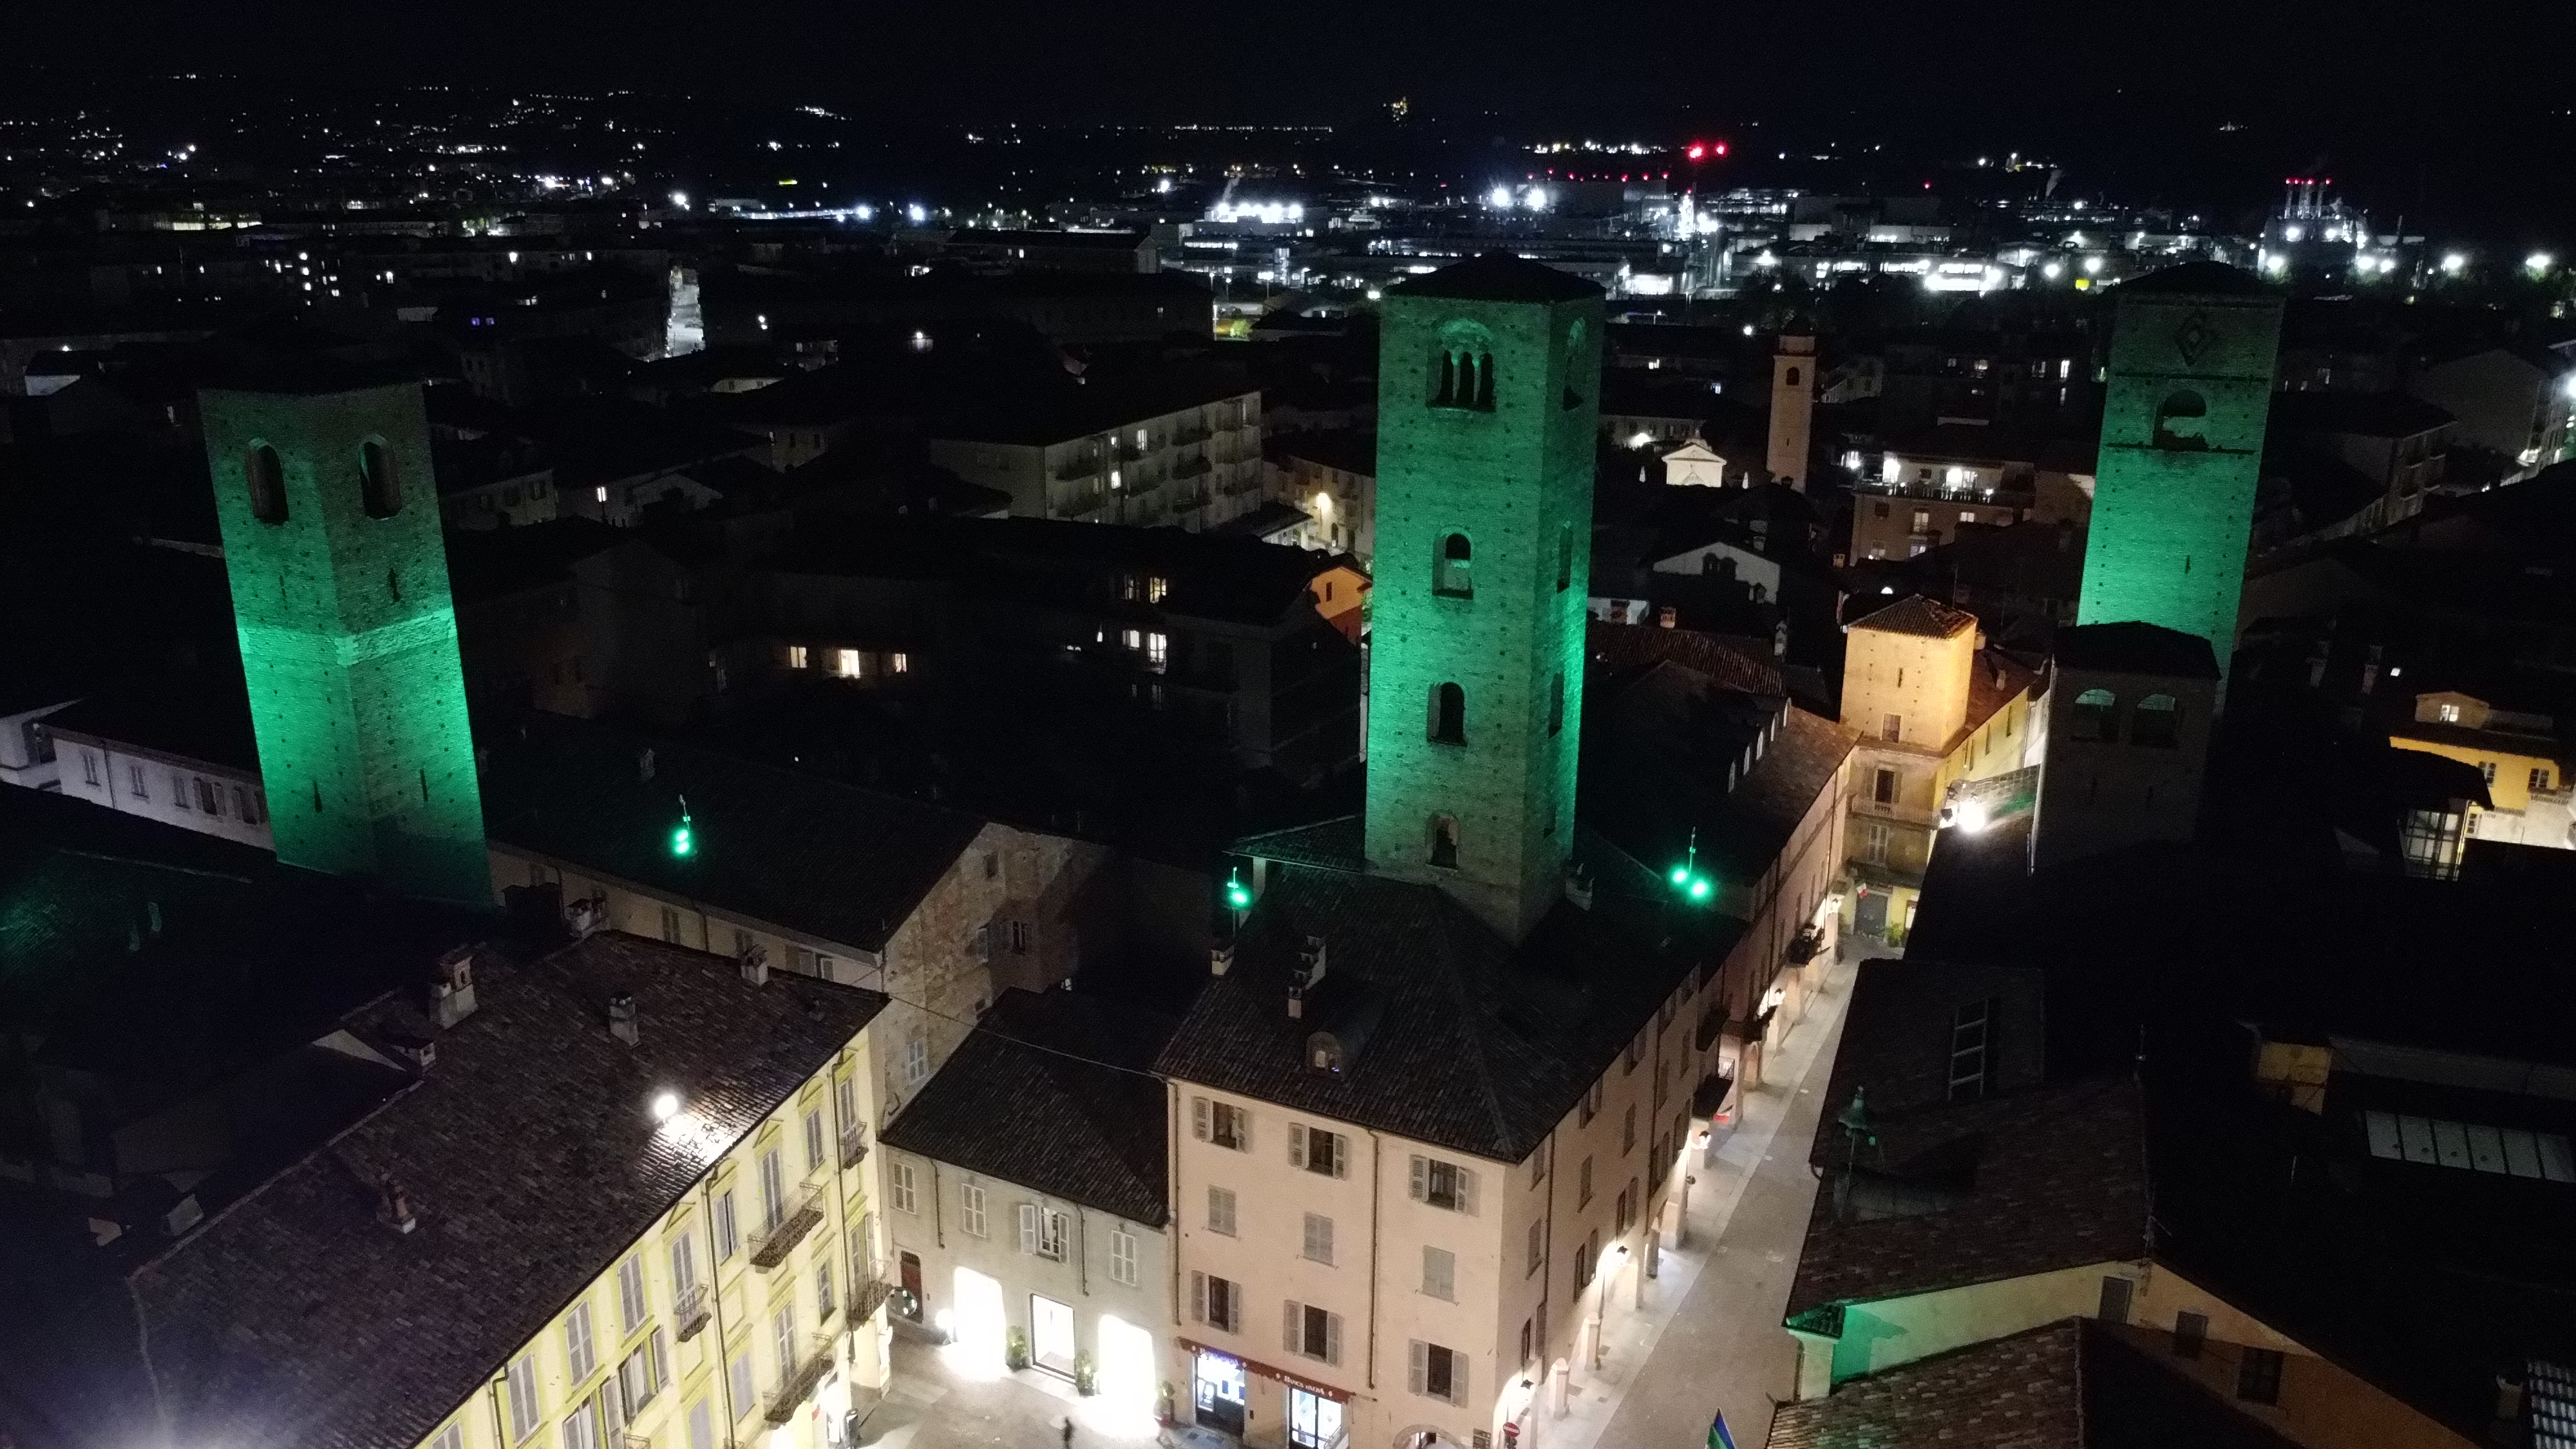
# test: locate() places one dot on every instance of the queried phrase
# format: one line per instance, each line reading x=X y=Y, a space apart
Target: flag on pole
x=1718 y=1438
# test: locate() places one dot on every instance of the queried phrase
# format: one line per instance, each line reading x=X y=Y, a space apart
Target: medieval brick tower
x=1793 y=411
x=2193 y=350
x=348 y=635
x=1488 y=396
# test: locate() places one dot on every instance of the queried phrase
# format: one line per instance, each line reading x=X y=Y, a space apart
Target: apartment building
x=614 y=1203
x=1184 y=452
x=183 y=756
x=1927 y=487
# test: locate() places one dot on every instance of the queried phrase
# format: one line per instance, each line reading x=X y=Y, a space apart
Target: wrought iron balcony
x=801 y=1217
x=813 y=1361
x=854 y=1146
x=693 y=1309
x=867 y=1294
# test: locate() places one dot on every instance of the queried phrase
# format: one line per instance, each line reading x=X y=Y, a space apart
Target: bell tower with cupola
x=330 y=523
x=1489 y=378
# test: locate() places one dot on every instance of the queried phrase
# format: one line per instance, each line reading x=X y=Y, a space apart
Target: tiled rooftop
x=529 y=1154
x=1919 y=615
x=1053 y=1091
x=1470 y=1043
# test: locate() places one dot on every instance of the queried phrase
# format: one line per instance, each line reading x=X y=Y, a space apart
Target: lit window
x=845 y=663
x=1131 y=638
x=796 y=656
x=902 y=663
x=1156 y=588
x=1158 y=649
x=600 y=493
x=2450 y=713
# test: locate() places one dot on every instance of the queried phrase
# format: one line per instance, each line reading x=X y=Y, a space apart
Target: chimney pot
x=451 y=990
x=1220 y=958
x=621 y=1019
x=393 y=1205
x=754 y=965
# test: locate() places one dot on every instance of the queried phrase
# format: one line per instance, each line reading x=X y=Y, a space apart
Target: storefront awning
x=1256 y=1366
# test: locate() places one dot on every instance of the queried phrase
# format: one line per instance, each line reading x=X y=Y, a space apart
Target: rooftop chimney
x=451 y=990
x=621 y=1018
x=418 y=1052
x=586 y=917
x=1310 y=962
x=1221 y=958
x=1578 y=886
x=754 y=964
x=393 y=1205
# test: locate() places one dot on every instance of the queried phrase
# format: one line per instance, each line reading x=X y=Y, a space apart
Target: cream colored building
x=1184 y=459
x=618 y=1201
x=1932 y=707
x=2517 y=752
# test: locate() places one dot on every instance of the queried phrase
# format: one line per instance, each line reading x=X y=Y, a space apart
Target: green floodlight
x=684 y=837
x=1238 y=896
x=1686 y=877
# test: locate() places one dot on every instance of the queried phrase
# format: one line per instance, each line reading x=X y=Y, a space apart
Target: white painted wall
x=167 y=788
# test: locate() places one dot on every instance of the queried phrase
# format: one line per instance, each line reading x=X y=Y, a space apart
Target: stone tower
x=2193 y=350
x=1793 y=410
x=2129 y=710
x=1488 y=397
x=348 y=635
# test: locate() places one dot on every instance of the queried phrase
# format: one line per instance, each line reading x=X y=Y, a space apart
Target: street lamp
x=1238 y=896
x=684 y=836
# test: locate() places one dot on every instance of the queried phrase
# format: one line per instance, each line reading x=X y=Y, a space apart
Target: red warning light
x=1703 y=150
x=1697 y=151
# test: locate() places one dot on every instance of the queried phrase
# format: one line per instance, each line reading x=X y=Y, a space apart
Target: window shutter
x=1199 y=1117
x=1457 y=1378
x=1421 y=1180
x=1467 y=1191
x=1332 y=1338
x=1028 y=1227
x=661 y=1360
x=1198 y=1298
x=1291 y=1322
x=1296 y=1145
x=1420 y=1360
x=1341 y=1155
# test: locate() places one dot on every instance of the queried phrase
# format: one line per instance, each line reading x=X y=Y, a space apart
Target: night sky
x=2420 y=99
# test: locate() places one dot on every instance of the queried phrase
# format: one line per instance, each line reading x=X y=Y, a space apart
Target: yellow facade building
x=619 y=1202
x=2518 y=753
x=1932 y=707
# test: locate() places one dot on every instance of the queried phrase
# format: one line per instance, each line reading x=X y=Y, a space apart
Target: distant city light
x=2453 y=264
x=2092 y=266
x=1500 y=198
x=2053 y=270
x=2539 y=263
x=1162 y=186
x=680 y=200
x=916 y=213
x=2291 y=233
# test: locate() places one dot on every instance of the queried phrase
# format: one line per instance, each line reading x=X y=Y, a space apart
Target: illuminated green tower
x=348 y=635
x=2193 y=351
x=1488 y=397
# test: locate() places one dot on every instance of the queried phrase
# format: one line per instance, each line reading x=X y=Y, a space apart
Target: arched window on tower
x=2180 y=419
x=1448 y=723
x=1790 y=378
x=266 y=479
x=1465 y=380
x=1484 y=382
x=1451 y=571
x=2157 y=722
x=2095 y=716
x=1443 y=840
x=379 y=480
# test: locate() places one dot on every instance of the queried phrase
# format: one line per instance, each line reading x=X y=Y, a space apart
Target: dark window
x=2191 y=1330
x=1556 y=703
x=2115 y=1300
x=1792 y=377
x=1452 y=570
x=2156 y=722
x=1884 y=790
x=2258 y=1376
x=266 y=478
x=2179 y=421
x=1878 y=510
x=2094 y=716
x=380 y=480
x=1448 y=715
x=1465 y=379
x=1564 y=557
x=1444 y=841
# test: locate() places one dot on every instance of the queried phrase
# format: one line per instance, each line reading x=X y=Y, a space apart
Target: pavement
x=1707 y=1338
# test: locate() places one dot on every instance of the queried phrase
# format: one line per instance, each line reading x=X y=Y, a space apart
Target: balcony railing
x=867 y=1294
x=1186 y=436
x=800 y=1218
x=693 y=1310
x=1191 y=467
x=1073 y=469
x=854 y=1146
x=797 y=1385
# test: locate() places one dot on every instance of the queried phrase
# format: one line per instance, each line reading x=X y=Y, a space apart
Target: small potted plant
x=1085 y=1376
x=1015 y=1350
